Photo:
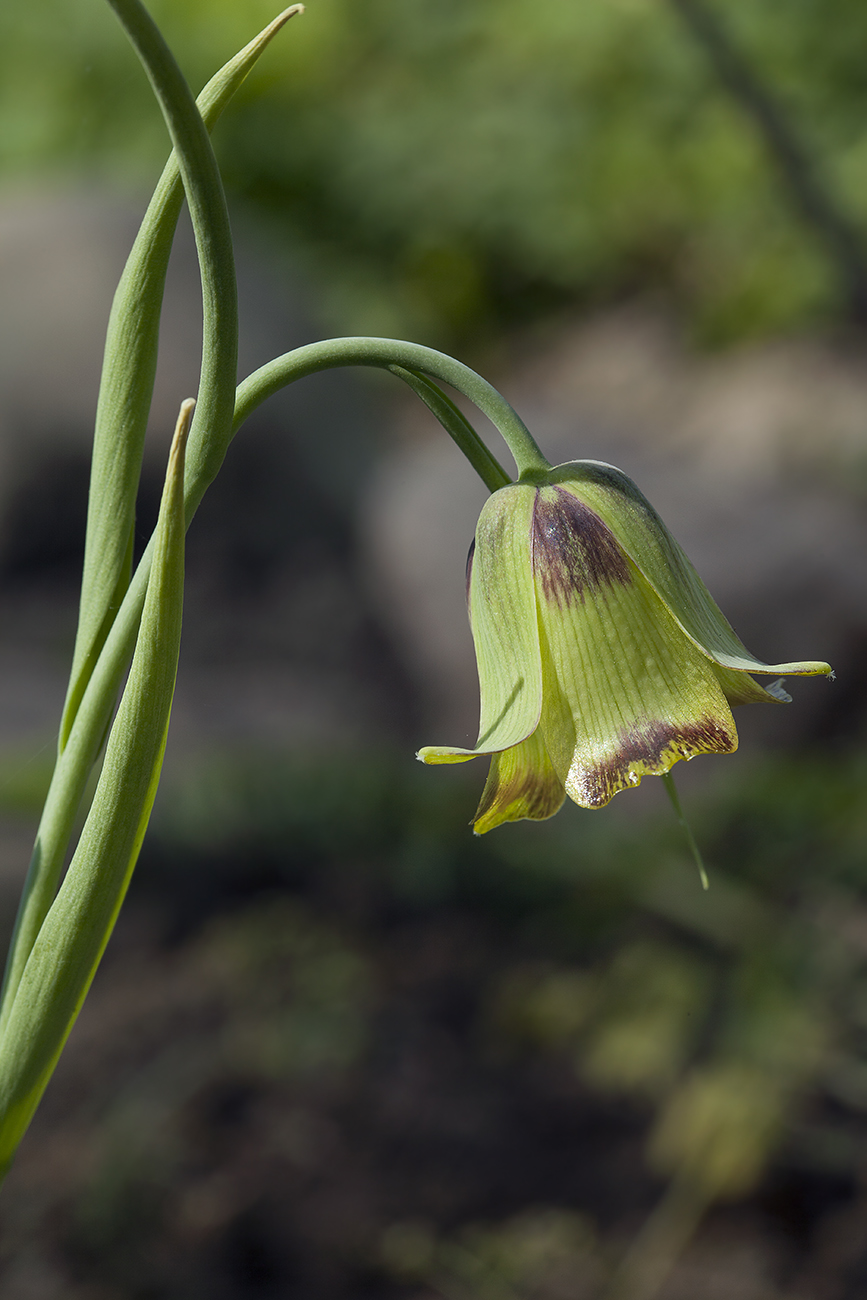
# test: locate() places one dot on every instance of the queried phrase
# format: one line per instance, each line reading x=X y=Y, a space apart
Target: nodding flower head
x=602 y=657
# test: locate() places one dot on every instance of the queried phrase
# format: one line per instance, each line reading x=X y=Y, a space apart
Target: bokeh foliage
x=726 y=1017
x=447 y=168
x=491 y=1054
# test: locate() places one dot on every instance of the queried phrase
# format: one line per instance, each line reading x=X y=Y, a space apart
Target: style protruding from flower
x=602 y=656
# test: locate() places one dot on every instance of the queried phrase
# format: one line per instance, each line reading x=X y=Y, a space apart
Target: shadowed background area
x=338 y=1047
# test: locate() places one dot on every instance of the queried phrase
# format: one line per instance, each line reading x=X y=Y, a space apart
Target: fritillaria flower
x=602 y=657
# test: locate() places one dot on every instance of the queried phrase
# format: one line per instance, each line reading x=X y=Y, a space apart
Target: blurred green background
x=339 y=1048
x=449 y=169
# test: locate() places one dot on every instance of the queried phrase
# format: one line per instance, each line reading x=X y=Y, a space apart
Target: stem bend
x=387 y=354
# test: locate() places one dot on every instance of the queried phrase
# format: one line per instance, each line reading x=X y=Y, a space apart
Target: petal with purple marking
x=644 y=538
x=625 y=694
x=602 y=656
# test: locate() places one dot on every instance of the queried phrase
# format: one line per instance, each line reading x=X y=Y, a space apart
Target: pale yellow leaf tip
x=182 y=432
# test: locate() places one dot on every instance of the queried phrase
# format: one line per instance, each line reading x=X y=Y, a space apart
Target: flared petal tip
x=522 y=784
x=804 y=668
x=444 y=754
x=651 y=749
x=538 y=808
x=740 y=687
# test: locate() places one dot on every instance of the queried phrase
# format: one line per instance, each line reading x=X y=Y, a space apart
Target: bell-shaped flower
x=602 y=657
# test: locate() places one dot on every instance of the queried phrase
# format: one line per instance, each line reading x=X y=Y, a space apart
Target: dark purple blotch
x=574 y=551
x=646 y=743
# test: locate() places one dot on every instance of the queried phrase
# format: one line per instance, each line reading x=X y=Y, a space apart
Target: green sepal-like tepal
x=602 y=656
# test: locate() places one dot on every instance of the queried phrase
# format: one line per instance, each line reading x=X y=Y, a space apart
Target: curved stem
x=211 y=431
x=94 y=712
x=386 y=353
x=209 y=438
x=457 y=426
x=126 y=387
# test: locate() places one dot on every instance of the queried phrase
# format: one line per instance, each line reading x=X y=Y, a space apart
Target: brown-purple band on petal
x=641 y=750
x=573 y=550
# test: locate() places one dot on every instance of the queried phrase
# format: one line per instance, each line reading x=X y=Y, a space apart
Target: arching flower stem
x=416 y=359
x=456 y=424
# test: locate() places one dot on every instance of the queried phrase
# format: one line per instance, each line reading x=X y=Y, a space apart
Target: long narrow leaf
x=73 y=936
x=126 y=389
x=121 y=422
x=203 y=187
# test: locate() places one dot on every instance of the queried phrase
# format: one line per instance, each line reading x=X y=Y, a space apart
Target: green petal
x=503 y=619
x=651 y=547
x=521 y=783
x=626 y=694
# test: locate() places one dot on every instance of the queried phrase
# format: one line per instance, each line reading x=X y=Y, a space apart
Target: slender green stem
x=61 y=932
x=386 y=353
x=70 y=777
x=668 y=781
x=116 y=474
x=126 y=389
x=212 y=424
x=455 y=423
